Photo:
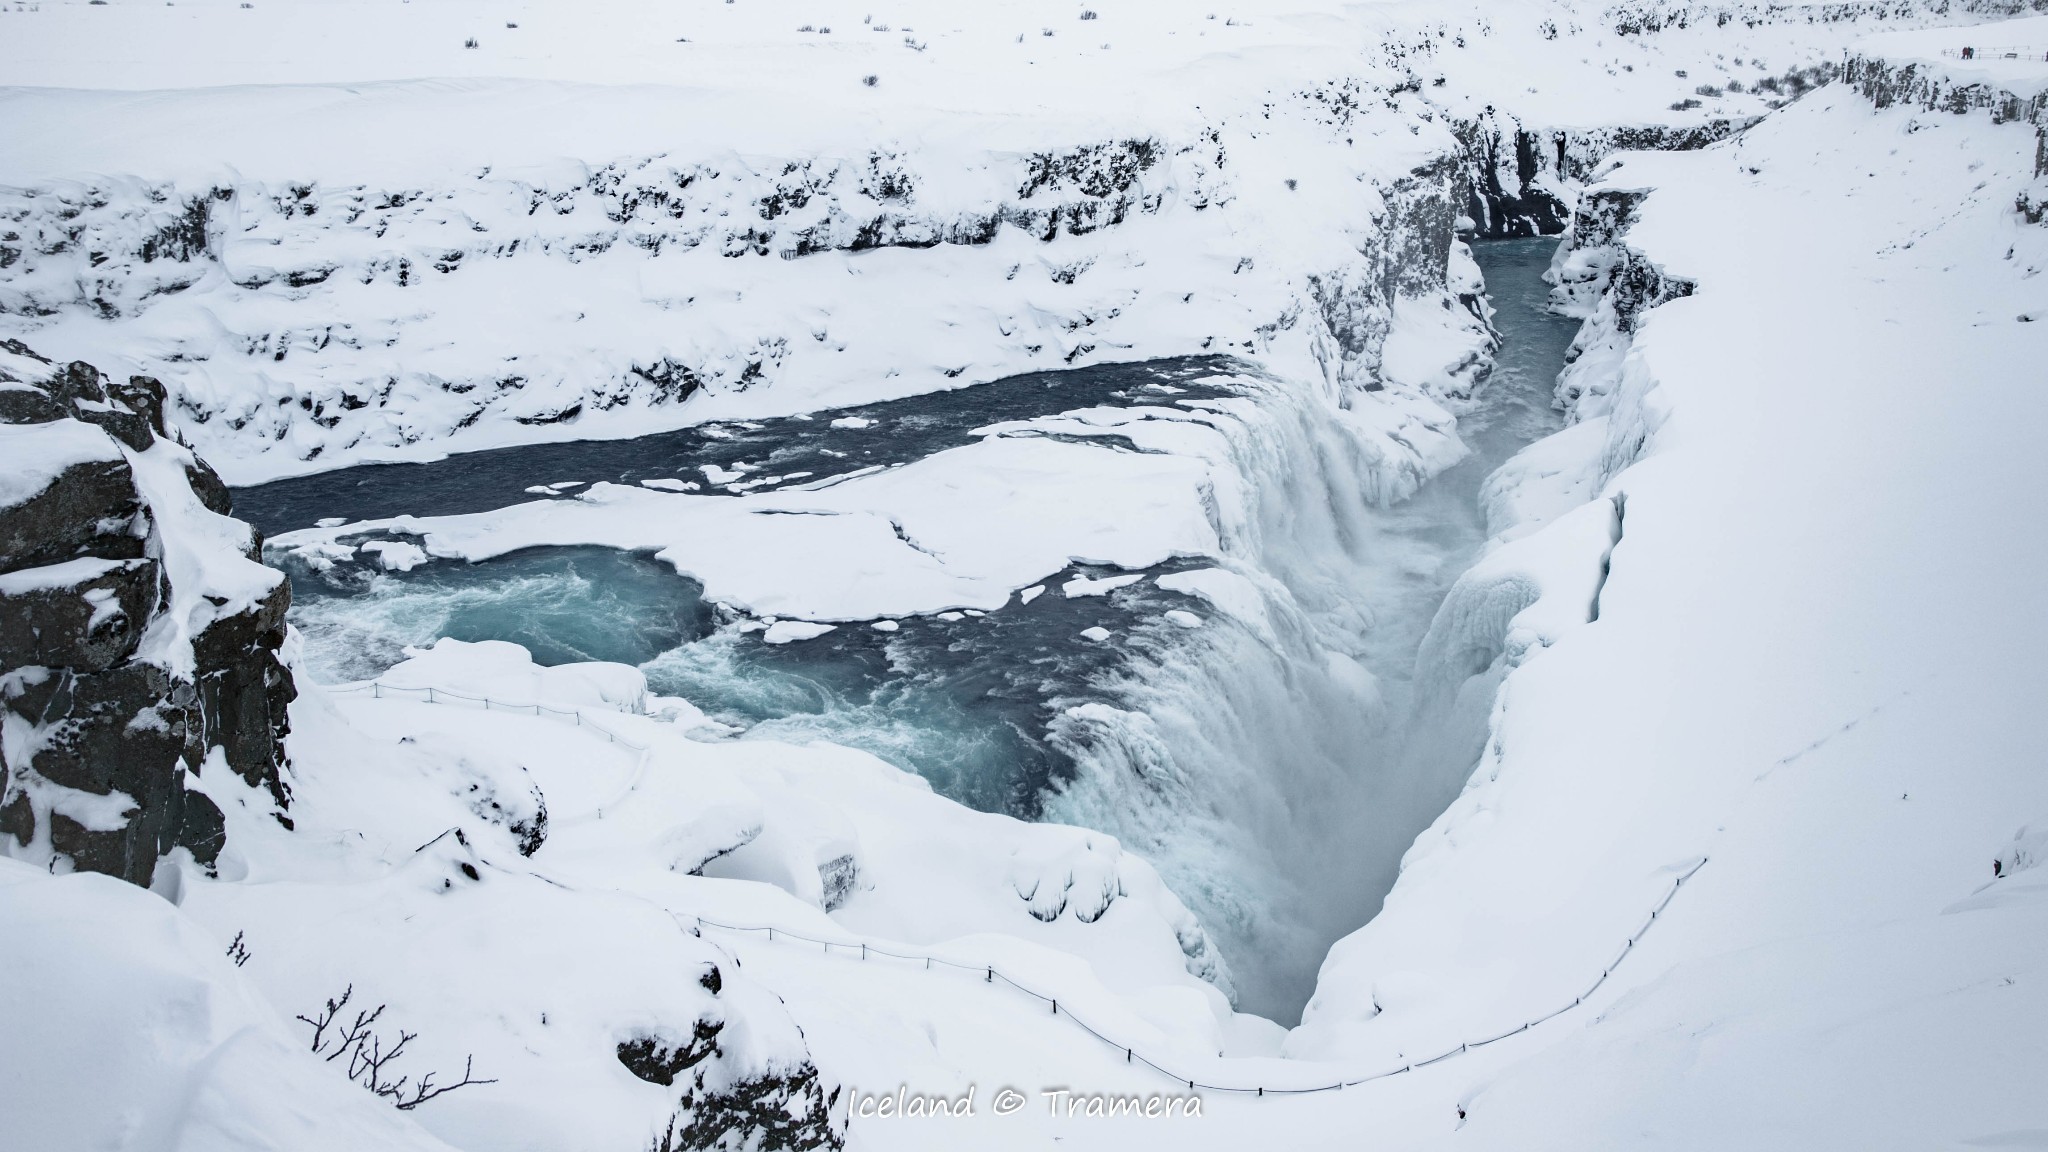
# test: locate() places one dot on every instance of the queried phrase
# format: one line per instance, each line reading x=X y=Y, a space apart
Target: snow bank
x=125 y=1021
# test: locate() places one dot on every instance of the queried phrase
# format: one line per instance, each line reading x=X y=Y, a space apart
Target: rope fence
x=379 y=690
x=991 y=974
x=988 y=972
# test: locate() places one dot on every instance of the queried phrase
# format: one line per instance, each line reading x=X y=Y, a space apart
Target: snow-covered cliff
x=138 y=633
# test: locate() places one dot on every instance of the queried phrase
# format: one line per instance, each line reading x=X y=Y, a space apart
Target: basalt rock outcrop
x=1518 y=179
x=1608 y=284
x=1887 y=84
x=138 y=631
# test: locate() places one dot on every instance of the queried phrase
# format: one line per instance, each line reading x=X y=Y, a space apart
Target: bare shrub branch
x=369 y=1056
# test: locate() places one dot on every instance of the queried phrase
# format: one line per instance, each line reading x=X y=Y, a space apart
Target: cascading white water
x=1275 y=766
x=1244 y=760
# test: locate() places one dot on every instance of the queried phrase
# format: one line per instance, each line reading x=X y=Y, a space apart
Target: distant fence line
x=990 y=974
x=378 y=690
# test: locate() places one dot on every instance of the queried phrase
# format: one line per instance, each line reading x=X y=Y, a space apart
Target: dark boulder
x=132 y=413
x=90 y=508
x=22 y=404
x=82 y=614
x=661 y=1056
x=210 y=488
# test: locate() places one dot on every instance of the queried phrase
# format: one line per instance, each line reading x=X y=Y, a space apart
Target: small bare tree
x=369 y=1055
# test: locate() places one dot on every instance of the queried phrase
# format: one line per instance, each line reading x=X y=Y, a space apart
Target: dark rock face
x=841 y=878
x=782 y=1108
x=777 y=1112
x=661 y=1058
x=1622 y=280
x=1514 y=174
x=1518 y=205
x=86 y=614
x=1638 y=285
x=118 y=686
x=91 y=509
x=1885 y=84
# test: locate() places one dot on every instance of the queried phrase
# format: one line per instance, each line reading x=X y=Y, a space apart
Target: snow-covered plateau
x=784 y=575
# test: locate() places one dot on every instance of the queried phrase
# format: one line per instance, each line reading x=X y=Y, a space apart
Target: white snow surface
x=627 y=216
x=124 y=1020
x=37 y=454
x=609 y=230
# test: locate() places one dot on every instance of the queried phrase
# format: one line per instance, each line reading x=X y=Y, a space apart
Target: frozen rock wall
x=138 y=634
x=1522 y=180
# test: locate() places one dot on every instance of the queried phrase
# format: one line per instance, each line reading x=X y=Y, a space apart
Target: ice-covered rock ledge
x=1806 y=660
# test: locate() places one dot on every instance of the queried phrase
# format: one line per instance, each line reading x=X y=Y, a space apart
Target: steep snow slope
x=204 y=1063
x=1812 y=664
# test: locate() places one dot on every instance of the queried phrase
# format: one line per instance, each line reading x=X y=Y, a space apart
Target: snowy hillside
x=1124 y=569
